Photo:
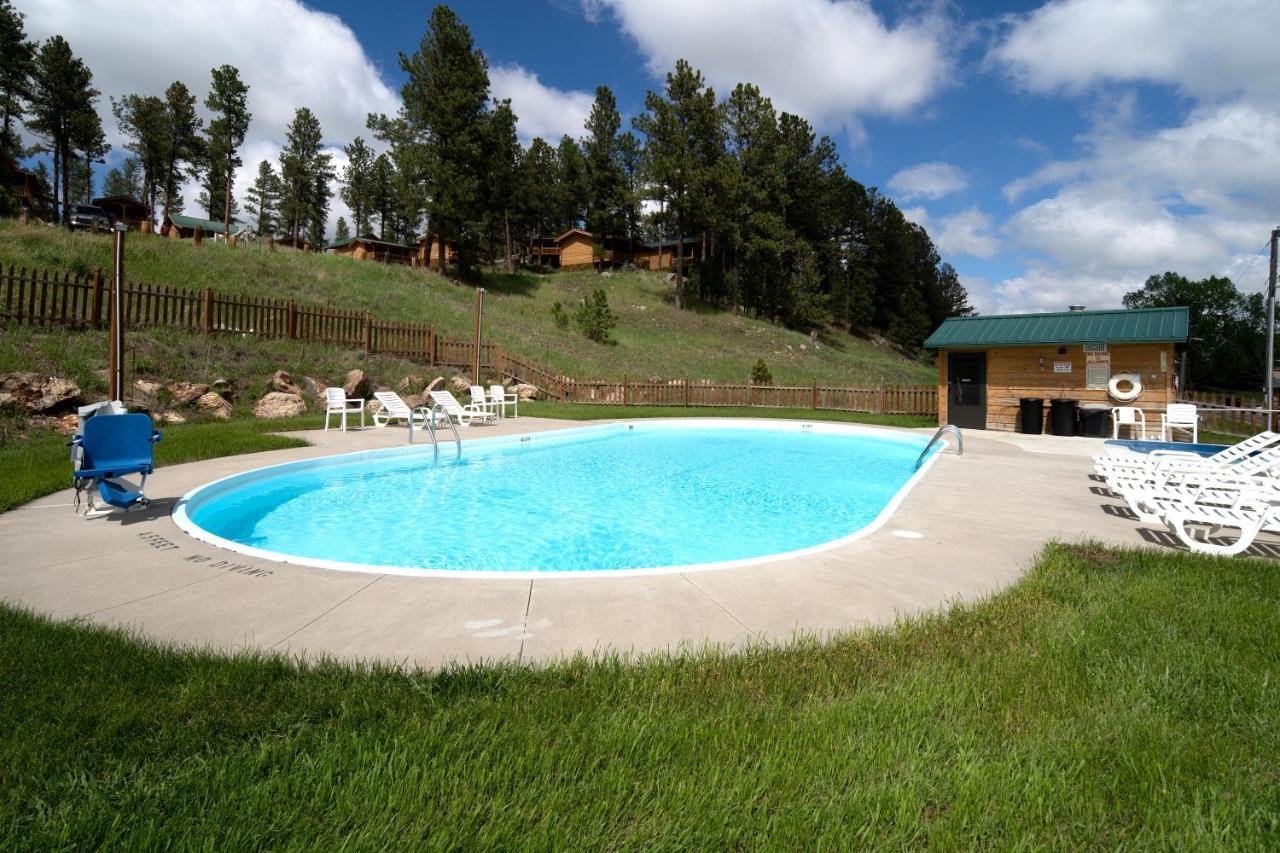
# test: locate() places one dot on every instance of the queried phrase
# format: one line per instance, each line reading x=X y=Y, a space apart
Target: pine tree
x=572 y=187
x=263 y=200
x=382 y=195
x=17 y=64
x=504 y=174
x=305 y=172
x=144 y=121
x=537 y=189
x=630 y=163
x=227 y=99
x=604 y=214
x=62 y=109
x=126 y=180
x=355 y=180
x=340 y=230
x=445 y=99
x=184 y=146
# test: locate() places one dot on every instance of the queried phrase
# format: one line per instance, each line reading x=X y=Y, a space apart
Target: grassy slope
x=1109 y=700
x=652 y=338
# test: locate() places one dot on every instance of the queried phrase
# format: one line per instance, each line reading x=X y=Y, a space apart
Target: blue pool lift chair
x=111 y=447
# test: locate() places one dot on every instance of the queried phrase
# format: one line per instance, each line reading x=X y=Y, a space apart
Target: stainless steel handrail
x=945 y=429
x=452 y=426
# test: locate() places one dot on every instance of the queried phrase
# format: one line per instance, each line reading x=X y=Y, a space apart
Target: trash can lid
x=1096 y=406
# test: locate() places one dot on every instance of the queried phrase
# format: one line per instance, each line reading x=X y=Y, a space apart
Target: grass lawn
x=1111 y=699
x=590 y=411
x=37 y=462
x=652 y=338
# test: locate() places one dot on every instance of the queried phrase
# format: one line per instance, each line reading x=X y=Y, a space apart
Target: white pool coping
x=184 y=521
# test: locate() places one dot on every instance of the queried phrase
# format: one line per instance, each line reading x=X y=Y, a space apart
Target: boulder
x=283 y=383
x=214 y=405
x=185 y=393
x=373 y=407
x=411 y=381
x=172 y=418
x=38 y=394
x=66 y=424
x=525 y=391
x=278 y=404
x=358 y=385
x=460 y=383
x=146 y=387
x=435 y=385
x=314 y=387
x=413 y=401
x=225 y=388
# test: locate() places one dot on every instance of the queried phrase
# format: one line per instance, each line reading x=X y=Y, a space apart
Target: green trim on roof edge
x=1121 y=326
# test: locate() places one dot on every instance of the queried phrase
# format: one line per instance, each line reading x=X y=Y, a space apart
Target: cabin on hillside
x=25 y=188
x=575 y=249
x=662 y=254
x=1007 y=372
x=177 y=226
x=126 y=209
x=366 y=248
x=429 y=252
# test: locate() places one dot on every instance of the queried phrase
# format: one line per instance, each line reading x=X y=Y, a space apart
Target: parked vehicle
x=89 y=218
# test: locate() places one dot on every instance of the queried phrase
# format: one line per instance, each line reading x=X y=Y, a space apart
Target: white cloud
x=288 y=54
x=916 y=214
x=1205 y=48
x=1046 y=289
x=828 y=61
x=540 y=110
x=928 y=180
x=967 y=233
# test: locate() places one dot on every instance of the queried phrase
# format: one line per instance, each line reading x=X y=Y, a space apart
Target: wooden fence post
x=368 y=333
x=815 y=394
x=97 y=298
x=208 y=310
x=880 y=399
x=624 y=389
x=293 y=320
x=686 y=392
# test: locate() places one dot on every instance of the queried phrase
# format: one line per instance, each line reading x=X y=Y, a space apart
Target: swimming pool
x=643 y=497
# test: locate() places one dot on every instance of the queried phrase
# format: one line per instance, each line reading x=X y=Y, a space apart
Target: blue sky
x=1057 y=152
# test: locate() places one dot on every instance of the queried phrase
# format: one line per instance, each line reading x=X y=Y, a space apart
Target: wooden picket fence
x=82 y=301
x=1231 y=414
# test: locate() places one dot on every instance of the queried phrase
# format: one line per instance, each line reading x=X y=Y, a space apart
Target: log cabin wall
x=1016 y=372
x=576 y=252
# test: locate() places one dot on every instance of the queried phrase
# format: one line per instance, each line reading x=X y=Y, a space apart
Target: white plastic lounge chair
x=1180 y=416
x=1122 y=416
x=336 y=402
x=1248 y=518
x=500 y=398
x=396 y=409
x=1130 y=465
x=465 y=415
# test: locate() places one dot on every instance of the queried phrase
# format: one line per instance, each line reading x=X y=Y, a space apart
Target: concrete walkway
x=969 y=528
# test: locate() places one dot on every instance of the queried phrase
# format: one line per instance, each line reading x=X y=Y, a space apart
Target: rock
x=435 y=385
x=314 y=387
x=38 y=394
x=225 y=388
x=185 y=393
x=65 y=424
x=373 y=406
x=278 y=404
x=173 y=418
x=283 y=383
x=655 y=380
x=358 y=385
x=460 y=383
x=413 y=401
x=408 y=382
x=525 y=391
x=146 y=387
x=214 y=405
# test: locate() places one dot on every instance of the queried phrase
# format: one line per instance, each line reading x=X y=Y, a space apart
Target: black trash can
x=1031 y=415
x=1063 y=416
x=1093 y=419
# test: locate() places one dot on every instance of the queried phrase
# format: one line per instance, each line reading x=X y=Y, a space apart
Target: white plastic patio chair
x=336 y=402
x=464 y=415
x=500 y=398
x=1180 y=416
x=480 y=400
x=396 y=409
x=1132 y=417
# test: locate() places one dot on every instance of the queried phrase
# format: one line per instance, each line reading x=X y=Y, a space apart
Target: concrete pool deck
x=981 y=519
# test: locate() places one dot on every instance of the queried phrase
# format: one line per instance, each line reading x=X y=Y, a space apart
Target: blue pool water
x=601 y=498
x=1139 y=446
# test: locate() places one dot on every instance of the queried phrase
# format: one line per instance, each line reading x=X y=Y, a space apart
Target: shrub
x=760 y=374
x=594 y=317
x=560 y=315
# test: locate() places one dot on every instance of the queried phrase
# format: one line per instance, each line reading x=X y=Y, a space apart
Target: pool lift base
x=430 y=421
x=945 y=429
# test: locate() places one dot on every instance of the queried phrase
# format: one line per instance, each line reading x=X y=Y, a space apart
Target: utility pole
x=475 y=364
x=115 y=371
x=1271 y=323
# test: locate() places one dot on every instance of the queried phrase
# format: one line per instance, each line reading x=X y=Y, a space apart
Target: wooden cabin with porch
x=663 y=254
x=25 y=188
x=366 y=248
x=178 y=226
x=126 y=209
x=429 y=252
x=1003 y=372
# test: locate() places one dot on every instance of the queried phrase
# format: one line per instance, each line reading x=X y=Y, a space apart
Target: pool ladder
x=431 y=429
x=945 y=429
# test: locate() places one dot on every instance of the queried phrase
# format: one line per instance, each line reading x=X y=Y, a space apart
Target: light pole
x=1271 y=322
x=116 y=366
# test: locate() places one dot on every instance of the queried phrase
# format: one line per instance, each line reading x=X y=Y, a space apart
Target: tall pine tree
x=355 y=181
x=228 y=100
x=305 y=172
x=263 y=201
x=17 y=64
x=62 y=109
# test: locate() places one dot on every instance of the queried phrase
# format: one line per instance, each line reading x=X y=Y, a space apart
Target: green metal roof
x=1136 y=326
x=347 y=241
x=208 y=226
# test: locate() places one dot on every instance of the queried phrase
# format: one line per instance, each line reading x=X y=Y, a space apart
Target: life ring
x=1133 y=380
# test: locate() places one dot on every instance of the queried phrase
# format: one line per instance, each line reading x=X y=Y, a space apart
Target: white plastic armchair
x=336 y=402
x=480 y=400
x=1180 y=416
x=500 y=398
x=1130 y=416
